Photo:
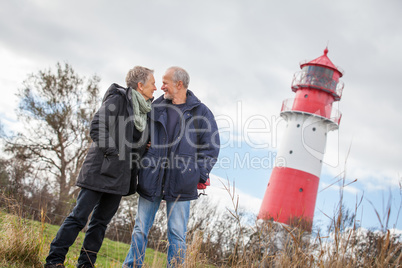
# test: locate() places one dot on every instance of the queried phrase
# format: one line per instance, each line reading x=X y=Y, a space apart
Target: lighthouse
x=291 y=193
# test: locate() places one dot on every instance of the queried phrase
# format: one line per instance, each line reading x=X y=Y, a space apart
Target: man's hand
x=203 y=186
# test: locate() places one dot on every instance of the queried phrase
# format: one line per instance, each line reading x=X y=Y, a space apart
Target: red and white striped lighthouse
x=291 y=193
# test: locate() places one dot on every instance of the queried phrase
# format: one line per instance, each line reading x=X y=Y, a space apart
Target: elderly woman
x=119 y=131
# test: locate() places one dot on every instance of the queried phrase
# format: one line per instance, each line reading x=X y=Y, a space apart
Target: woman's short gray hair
x=136 y=75
x=179 y=74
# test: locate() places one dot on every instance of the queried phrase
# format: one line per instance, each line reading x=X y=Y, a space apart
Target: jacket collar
x=159 y=105
x=191 y=101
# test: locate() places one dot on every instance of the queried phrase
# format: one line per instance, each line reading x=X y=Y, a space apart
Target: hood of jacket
x=114 y=88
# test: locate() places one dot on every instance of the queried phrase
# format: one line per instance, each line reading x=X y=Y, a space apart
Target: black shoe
x=56 y=265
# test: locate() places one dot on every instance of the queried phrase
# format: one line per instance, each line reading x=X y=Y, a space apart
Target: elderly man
x=184 y=148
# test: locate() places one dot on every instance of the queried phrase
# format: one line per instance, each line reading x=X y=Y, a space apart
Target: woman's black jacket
x=112 y=163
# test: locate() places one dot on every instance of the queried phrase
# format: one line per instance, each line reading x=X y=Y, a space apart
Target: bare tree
x=4 y=176
x=56 y=109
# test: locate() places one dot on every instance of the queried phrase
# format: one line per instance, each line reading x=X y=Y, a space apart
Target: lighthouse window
x=301 y=190
x=298 y=125
x=291 y=152
x=306 y=95
x=313 y=128
x=319 y=76
x=318 y=71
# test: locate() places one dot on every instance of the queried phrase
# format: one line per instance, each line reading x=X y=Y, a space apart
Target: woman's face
x=147 y=90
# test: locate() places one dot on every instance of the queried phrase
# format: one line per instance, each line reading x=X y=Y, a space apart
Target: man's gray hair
x=136 y=75
x=179 y=74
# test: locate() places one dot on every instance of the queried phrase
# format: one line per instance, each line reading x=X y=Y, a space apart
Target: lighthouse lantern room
x=291 y=193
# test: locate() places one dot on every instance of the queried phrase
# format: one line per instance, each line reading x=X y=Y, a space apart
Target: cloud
x=224 y=193
x=337 y=186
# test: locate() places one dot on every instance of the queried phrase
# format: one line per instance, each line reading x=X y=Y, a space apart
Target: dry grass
x=20 y=241
x=267 y=244
x=277 y=245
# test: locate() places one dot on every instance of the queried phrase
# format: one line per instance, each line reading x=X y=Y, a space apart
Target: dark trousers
x=104 y=206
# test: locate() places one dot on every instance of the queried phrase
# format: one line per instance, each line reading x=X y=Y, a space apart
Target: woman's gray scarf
x=140 y=107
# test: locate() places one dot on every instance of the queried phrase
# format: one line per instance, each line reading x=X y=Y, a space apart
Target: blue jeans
x=104 y=206
x=178 y=213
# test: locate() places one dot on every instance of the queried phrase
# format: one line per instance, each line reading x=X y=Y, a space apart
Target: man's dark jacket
x=107 y=167
x=173 y=171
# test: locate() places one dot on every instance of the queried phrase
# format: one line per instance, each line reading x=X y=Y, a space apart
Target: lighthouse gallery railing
x=335 y=116
x=318 y=81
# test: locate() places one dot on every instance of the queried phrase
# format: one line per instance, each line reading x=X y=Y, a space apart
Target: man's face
x=168 y=86
x=149 y=88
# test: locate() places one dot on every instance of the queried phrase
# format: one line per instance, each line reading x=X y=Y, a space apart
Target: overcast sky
x=241 y=57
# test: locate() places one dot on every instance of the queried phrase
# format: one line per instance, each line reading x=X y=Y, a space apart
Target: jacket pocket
x=148 y=174
x=111 y=166
x=187 y=175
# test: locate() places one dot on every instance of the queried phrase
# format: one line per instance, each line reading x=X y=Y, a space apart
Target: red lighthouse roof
x=323 y=61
